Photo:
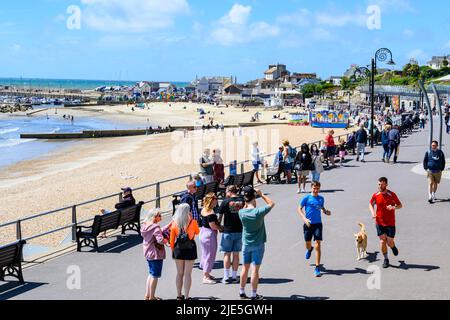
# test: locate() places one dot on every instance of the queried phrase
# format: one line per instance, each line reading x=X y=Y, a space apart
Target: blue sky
x=179 y=39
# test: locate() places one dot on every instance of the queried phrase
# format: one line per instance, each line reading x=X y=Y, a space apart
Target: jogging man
x=310 y=209
x=386 y=202
x=434 y=164
x=253 y=238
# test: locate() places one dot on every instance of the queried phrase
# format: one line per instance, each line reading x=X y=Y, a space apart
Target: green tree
x=445 y=63
x=345 y=83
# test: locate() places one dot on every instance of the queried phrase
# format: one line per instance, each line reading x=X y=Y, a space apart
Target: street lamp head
x=391 y=63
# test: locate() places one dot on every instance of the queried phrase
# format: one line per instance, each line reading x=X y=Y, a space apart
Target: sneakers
x=298 y=191
x=363 y=161
x=395 y=251
x=433 y=196
x=234 y=280
x=308 y=254
x=386 y=263
x=208 y=281
x=357 y=159
x=243 y=296
x=258 y=297
x=226 y=280
x=430 y=199
x=303 y=191
x=317 y=272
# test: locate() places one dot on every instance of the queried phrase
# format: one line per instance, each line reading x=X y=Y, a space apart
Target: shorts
x=253 y=254
x=231 y=242
x=315 y=230
x=388 y=231
x=155 y=268
x=304 y=173
x=287 y=166
x=434 y=177
x=331 y=151
x=256 y=165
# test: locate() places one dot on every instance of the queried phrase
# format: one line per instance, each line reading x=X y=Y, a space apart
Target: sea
x=13 y=149
x=71 y=83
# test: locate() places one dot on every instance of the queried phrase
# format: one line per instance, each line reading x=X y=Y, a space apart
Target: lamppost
x=381 y=55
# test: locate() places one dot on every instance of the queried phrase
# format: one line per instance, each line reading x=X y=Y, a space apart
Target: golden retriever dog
x=361 y=242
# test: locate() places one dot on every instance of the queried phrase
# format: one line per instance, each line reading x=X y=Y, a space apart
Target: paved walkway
x=421 y=271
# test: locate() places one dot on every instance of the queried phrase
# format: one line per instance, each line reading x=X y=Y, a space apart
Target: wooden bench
x=11 y=261
x=130 y=218
x=248 y=179
x=88 y=238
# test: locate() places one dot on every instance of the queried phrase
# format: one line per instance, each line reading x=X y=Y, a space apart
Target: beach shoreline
x=94 y=168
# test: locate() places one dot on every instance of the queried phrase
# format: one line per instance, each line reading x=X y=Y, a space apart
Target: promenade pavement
x=421 y=271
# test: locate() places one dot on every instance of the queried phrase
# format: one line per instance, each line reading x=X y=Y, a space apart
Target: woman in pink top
x=154 y=251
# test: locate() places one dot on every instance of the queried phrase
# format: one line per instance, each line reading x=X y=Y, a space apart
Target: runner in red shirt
x=331 y=147
x=386 y=202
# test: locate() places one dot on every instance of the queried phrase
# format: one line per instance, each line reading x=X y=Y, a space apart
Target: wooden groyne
x=90 y=134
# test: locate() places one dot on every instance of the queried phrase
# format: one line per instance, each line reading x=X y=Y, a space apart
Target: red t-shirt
x=330 y=141
x=385 y=217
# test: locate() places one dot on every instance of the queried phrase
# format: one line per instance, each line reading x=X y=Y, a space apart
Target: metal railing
x=157 y=199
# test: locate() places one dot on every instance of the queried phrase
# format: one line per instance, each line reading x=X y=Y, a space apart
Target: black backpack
x=183 y=242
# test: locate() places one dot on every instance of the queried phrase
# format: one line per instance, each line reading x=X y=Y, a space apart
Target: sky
x=177 y=40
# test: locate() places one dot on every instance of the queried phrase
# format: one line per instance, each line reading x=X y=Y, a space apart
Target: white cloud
x=340 y=20
x=447 y=45
x=16 y=48
x=234 y=28
x=393 y=5
x=418 y=54
x=238 y=14
x=132 y=15
x=408 y=33
x=301 y=18
x=321 y=34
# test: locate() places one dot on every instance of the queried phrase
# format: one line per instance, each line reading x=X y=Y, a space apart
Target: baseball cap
x=127 y=189
x=249 y=193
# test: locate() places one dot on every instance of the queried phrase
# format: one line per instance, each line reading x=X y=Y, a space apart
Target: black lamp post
x=381 y=55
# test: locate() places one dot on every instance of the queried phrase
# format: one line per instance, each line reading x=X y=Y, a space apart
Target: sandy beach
x=98 y=167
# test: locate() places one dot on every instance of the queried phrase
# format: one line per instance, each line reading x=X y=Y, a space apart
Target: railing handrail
x=72 y=225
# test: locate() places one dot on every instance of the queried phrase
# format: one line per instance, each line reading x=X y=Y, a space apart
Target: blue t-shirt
x=313 y=207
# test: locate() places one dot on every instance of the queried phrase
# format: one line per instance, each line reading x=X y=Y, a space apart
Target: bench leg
x=96 y=244
x=78 y=244
x=20 y=274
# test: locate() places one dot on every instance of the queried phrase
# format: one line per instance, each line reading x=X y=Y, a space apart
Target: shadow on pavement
x=11 y=289
x=274 y=281
x=442 y=200
x=297 y=297
x=217 y=265
x=120 y=244
x=332 y=191
x=404 y=266
x=326 y=271
x=407 y=162
x=372 y=256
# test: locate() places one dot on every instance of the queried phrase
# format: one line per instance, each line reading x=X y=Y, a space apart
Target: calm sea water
x=13 y=149
x=68 y=83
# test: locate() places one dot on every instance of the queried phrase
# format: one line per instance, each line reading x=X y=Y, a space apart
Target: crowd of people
x=240 y=222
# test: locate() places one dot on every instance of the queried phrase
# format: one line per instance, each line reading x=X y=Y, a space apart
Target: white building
x=437 y=62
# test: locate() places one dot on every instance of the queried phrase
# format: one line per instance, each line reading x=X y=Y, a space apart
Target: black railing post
x=18 y=230
x=242 y=167
x=74 y=223
x=158 y=195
